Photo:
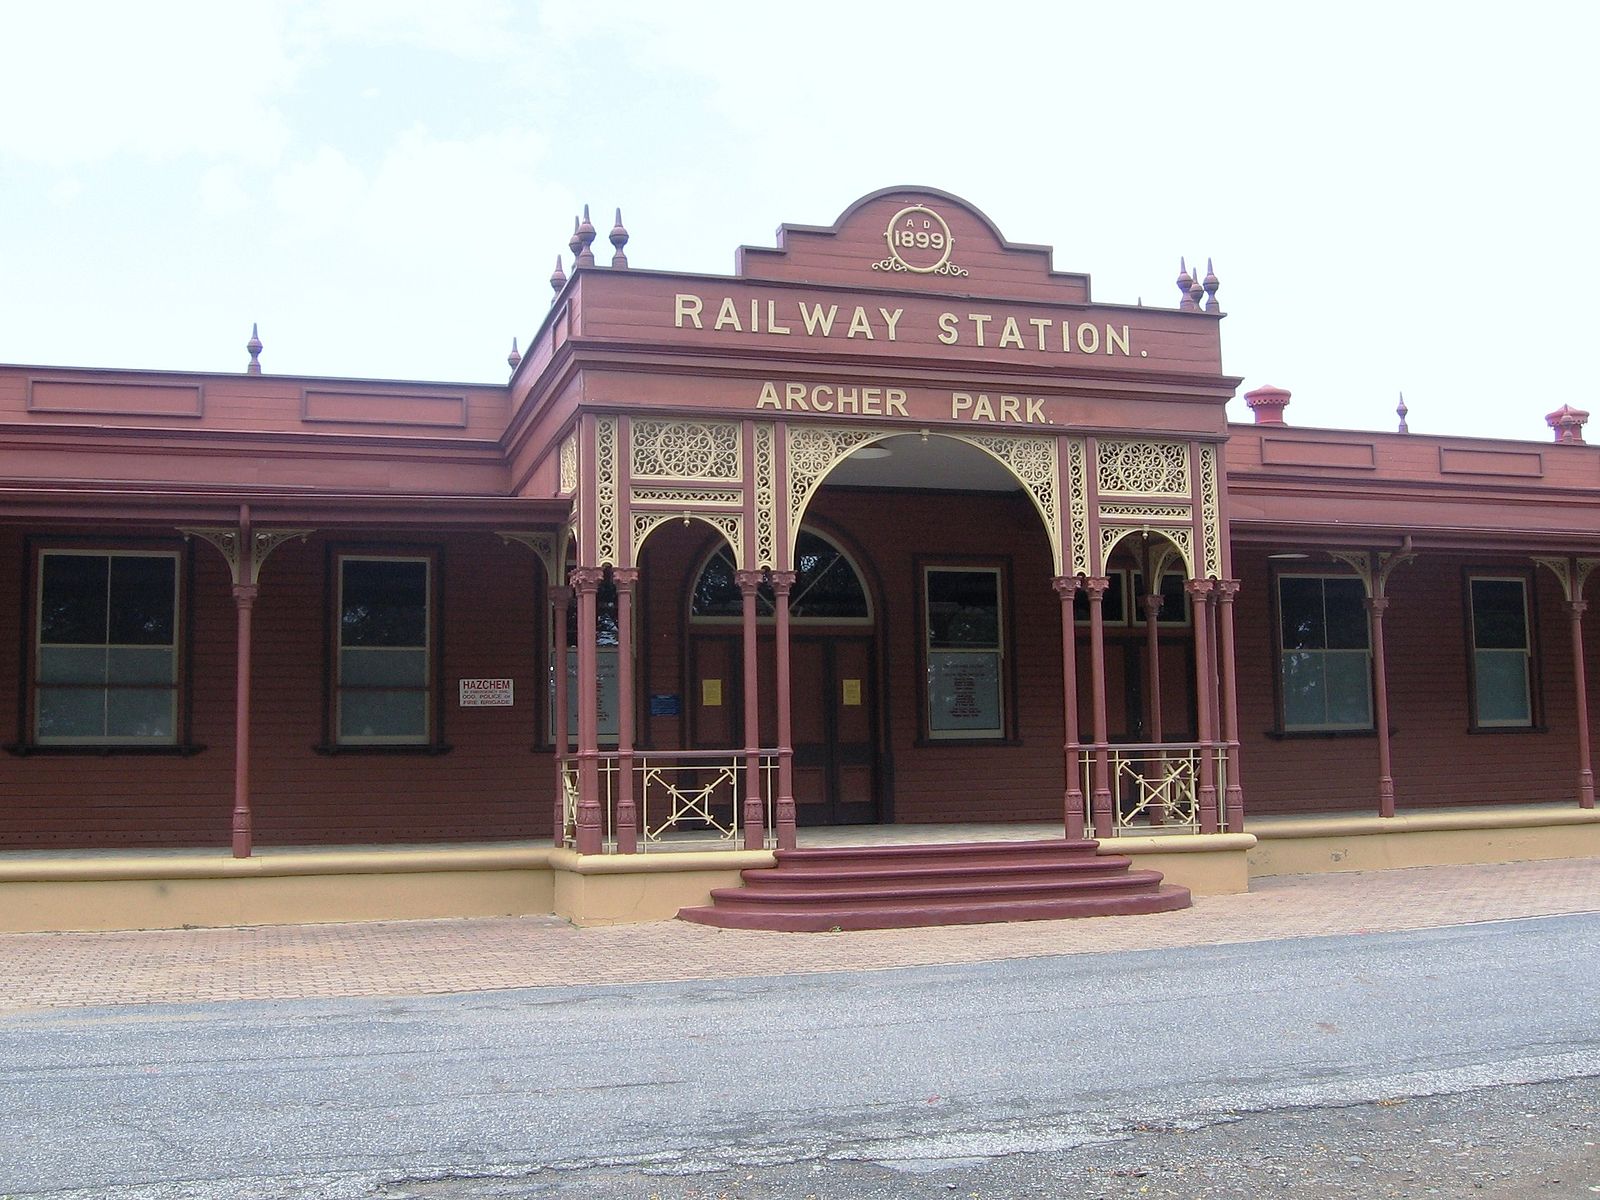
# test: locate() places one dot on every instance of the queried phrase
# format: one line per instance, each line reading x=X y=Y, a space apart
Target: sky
x=1397 y=197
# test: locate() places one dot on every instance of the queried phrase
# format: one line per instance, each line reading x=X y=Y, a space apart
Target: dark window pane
x=1498 y=622
x=1345 y=603
x=963 y=609
x=142 y=593
x=826 y=585
x=72 y=603
x=385 y=603
x=1300 y=609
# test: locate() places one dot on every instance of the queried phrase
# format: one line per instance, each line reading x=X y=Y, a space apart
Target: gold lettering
x=891 y=319
x=1088 y=338
x=1041 y=324
x=728 y=315
x=959 y=403
x=1036 y=410
x=687 y=306
x=979 y=320
x=894 y=401
x=870 y=402
x=1010 y=335
x=772 y=319
x=983 y=410
x=816 y=319
x=947 y=328
x=859 y=324
x=794 y=396
x=816 y=398
x=1010 y=409
x=1112 y=339
x=768 y=397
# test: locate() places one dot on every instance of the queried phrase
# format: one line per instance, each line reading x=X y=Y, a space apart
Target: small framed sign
x=486 y=693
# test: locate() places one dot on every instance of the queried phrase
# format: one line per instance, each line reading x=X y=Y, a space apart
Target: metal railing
x=1154 y=786
x=685 y=799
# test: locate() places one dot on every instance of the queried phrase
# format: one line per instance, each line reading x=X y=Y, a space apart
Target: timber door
x=834 y=720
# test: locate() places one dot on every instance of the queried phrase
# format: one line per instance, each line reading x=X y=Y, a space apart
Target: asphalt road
x=903 y=1082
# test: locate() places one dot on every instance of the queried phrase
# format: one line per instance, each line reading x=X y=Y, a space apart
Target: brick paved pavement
x=61 y=970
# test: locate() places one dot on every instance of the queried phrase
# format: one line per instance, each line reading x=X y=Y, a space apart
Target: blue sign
x=665 y=704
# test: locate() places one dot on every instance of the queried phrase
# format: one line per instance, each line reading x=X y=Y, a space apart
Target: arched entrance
x=834 y=679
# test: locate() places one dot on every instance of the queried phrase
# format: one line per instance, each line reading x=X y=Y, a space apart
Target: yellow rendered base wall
x=1208 y=865
x=1304 y=846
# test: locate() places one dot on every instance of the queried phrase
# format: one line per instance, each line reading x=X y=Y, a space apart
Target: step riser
x=1169 y=899
x=912 y=875
x=950 y=894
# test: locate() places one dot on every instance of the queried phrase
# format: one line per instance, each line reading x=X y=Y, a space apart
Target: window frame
x=1530 y=651
x=1280 y=713
x=1005 y=684
x=29 y=684
x=432 y=739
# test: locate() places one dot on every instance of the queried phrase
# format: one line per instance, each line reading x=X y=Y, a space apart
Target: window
x=385 y=650
x=827 y=587
x=1501 y=695
x=963 y=652
x=1326 y=658
x=106 y=656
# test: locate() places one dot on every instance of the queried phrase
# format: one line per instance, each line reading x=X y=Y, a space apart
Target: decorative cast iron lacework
x=1210 y=511
x=826 y=586
x=766 y=498
x=1078 y=506
x=1033 y=461
x=729 y=524
x=721 y=497
x=1180 y=536
x=1143 y=468
x=605 y=492
x=1145 y=512
x=812 y=454
x=685 y=449
x=569 y=465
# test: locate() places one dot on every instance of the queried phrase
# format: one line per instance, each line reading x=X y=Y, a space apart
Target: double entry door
x=833 y=718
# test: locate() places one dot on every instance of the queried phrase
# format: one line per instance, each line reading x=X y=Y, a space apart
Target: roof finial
x=1400 y=411
x=1211 y=285
x=575 y=242
x=1185 y=282
x=515 y=357
x=1197 y=291
x=585 y=237
x=558 y=279
x=255 y=348
x=619 y=239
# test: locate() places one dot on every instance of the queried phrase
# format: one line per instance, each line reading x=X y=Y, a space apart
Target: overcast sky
x=1397 y=196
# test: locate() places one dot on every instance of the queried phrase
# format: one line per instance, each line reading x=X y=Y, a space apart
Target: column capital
x=244 y=594
x=560 y=593
x=1096 y=586
x=624 y=577
x=1377 y=604
x=783 y=581
x=1227 y=589
x=1151 y=605
x=1199 y=587
x=749 y=581
x=1067 y=585
x=587 y=579
x=1577 y=608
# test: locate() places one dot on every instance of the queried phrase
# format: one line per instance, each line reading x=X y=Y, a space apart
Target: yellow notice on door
x=852 y=692
x=711 y=693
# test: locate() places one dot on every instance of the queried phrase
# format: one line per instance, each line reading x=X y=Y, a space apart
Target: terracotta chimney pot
x=1567 y=422
x=1268 y=404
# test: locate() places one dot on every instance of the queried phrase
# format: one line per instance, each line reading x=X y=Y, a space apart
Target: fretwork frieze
x=1129 y=468
x=703 y=450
